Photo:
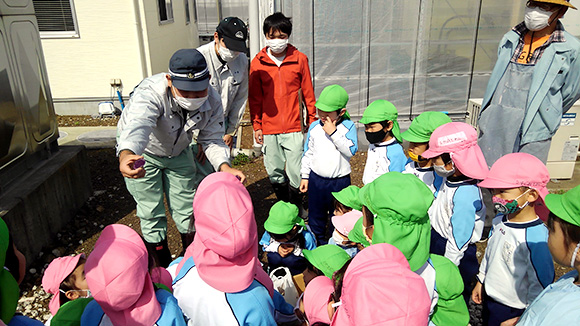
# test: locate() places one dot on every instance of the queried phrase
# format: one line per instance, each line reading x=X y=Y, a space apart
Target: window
x=187 y=16
x=56 y=18
x=165 y=11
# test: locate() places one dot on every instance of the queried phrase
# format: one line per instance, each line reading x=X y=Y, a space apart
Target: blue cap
x=188 y=70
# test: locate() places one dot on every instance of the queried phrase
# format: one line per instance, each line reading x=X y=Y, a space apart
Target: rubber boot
x=160 y=252
x=186 y=240
x=297 y=198
x=281 y=191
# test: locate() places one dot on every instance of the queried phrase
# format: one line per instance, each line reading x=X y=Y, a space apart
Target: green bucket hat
x=566 y=206
x=356 y=234
x=379 y=111
x=327 y=258
x=282 y=218
x=9 y=290
x=349 y=197
x=333 y=98
x=423 y=126
x=400 y=203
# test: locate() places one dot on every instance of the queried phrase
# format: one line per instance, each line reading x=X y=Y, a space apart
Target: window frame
x=61 y=34
x=168 y=12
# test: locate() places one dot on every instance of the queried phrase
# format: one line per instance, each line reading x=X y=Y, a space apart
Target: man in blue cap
x=156 y=127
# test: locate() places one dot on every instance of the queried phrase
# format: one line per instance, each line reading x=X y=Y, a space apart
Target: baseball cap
x=118 y=276
x=381 y=110
x=282 y=218
x=459 y=140
x=519 y=170
x=332 y=98
x=56 y=272
x=188 y=70
x=327 y=258
x=423 y=126
x=558 y=2
x=349 y=197
x=234 y=32
x=378 y=288
x=566 y=206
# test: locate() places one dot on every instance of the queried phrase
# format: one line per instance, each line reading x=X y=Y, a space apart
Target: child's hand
x=329 y=126
x=303 y=185
x=510 y=322
x=285 y=249
x=476 y=295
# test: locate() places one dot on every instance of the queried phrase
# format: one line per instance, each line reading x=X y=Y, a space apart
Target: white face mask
x=573 y=260
x=88 y=293
x=338 y=239
x=537 y=18
x=189 y=104
x=442 y=171
x=226 y=54
x=277 y=45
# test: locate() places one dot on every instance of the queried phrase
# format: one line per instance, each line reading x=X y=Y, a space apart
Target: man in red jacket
x=277 y=75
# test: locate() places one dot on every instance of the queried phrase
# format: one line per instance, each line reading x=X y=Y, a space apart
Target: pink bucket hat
x=118 y=277
x=459 y=140
x=162 y=276
x=520 y=170
x=225 y=247
x=56 y=272
x=316 y=298
x=380 y=289
x=345 y=223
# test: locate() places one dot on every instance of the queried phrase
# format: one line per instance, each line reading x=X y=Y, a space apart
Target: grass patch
x=241 y=159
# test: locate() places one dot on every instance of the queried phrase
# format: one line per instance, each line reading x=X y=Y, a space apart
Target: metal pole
x=254 y=25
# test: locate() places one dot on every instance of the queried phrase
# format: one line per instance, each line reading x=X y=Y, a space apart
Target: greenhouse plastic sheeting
x=420 y=55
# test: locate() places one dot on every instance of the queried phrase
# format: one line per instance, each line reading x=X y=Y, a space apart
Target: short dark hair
x=277 y=22
x=341 y=206
x=571 y=232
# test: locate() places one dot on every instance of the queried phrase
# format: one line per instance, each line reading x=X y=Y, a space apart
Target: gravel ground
x=111 y=203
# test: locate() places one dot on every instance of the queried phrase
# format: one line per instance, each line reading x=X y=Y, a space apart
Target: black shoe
x=160 y=252
x=281 y=191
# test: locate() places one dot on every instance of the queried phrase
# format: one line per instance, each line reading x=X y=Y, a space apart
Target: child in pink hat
x=517 y=264
x=117 y=272
x=458 y=213
x=64 y=278
x=347 y=210
x=220 y=280
x=379 y=288
x=318 y=300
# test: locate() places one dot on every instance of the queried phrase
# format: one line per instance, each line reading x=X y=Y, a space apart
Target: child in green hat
x=557 y=304
x=330 y=143
x=418 y=136
x=285 y=237
x=324 y=260
x=385 y=152
x=395 y=209
x=347 y=210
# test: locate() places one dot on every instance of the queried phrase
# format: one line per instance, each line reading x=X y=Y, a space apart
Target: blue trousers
x=468 y=266
x=320 y=204
x=295 y=264
x=494 y=313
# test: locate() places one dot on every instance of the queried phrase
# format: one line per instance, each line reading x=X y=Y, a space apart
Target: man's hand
x=303 y=185
x=126 y=161
x=200 y=157
x=258 y=137
x=329 y=126
x=237 y=173
x=229 y=140
x=476 y=294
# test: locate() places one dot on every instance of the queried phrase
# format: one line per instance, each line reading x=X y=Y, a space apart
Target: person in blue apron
x=535 y=80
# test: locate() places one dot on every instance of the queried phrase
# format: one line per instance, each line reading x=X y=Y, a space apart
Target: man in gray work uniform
x=157 y=125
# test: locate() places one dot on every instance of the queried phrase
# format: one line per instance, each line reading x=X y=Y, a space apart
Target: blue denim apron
x=501 y=122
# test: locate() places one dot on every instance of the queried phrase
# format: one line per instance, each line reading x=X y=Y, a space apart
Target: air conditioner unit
x=564 y=146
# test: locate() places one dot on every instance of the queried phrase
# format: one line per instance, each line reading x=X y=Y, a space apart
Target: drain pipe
x=254 y=22
x=140 y=41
